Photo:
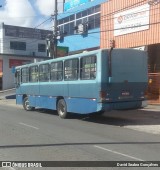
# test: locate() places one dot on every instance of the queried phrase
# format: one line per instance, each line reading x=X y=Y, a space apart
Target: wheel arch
x=24 y=95
x=58 y=98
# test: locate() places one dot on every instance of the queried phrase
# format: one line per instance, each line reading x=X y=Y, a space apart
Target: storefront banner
x=142 y=48
x=133 y=20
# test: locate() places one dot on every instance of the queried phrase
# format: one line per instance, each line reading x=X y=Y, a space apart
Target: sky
x=28 y=13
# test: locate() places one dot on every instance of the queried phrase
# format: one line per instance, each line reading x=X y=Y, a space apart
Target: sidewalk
x=8 y=94
x=152 y=107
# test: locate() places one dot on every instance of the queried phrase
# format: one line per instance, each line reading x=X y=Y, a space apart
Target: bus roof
x=85 y=53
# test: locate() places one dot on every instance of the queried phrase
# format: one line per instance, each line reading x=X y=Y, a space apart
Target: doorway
x=154 y=73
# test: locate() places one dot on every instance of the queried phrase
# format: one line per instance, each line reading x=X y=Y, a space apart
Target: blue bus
x=96 y=81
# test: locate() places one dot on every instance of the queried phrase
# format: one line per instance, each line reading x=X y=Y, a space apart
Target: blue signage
x=73 y=3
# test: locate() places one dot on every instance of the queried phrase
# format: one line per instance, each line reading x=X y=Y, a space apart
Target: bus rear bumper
x=122 y=105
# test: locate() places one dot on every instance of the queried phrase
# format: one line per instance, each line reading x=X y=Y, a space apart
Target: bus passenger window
x=71 y=69
x=56 y=71
x=44 y=73
x=33 y=74
x=88 y=67
x=24 y=75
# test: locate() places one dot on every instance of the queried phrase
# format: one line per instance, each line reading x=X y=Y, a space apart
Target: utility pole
x=55 y=29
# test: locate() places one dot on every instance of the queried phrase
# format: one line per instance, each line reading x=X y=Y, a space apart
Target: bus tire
x=26 y=105
x=62 y=109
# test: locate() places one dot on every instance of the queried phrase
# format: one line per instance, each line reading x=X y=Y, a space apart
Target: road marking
x=28 y=125
x=8 y=168
x=118 y=153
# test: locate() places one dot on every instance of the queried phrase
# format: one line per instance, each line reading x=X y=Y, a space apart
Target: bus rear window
x=88 y=68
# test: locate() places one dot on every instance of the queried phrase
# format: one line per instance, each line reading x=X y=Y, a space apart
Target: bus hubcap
x=62 y=109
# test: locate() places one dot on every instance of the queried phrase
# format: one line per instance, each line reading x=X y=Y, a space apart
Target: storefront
x=135 y=24
x=7 y=65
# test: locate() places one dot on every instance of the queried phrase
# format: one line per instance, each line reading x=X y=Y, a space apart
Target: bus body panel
x=124 y=88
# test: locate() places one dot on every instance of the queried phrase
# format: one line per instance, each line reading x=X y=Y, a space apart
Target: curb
x=2 y=91
x=10 y=97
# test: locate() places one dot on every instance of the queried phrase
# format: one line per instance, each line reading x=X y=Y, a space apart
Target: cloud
x=46 y=7
x=17 y=12
x=29 y=13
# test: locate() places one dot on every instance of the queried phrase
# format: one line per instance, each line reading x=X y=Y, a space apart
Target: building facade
x=135 y=24
x=19 y=45
x=80 y=25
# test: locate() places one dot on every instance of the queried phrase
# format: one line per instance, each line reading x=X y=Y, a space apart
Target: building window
x=88 y=68
x=56 y=71
x=16 y=45
x=41 y=47
x=33 y=74
x=44 y=73
x=97 y=21
x=90 y=16
x=71 y=69
x=25 y=75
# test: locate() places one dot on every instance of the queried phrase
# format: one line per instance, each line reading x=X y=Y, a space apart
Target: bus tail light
x=102 y=95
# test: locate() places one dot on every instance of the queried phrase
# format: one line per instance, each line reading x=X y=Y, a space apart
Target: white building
x=19 y=45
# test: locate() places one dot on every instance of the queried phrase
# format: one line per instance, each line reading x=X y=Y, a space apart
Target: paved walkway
x=10 y=93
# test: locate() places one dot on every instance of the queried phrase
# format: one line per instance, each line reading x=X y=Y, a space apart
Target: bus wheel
x=62 y=108
x=26 y=105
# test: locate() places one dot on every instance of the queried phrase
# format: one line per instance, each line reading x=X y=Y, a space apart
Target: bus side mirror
x=13 y=70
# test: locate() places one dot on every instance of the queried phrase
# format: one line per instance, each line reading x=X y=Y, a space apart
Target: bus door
x=71 y=74
x=18 y=85
x=17 y=79
x=33 y=88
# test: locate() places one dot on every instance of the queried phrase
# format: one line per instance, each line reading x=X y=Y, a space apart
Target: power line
x=43 y=22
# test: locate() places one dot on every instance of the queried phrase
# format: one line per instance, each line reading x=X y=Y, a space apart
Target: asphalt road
x=42 y=136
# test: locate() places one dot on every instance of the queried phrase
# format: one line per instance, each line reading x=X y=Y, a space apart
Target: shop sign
x=15 y=62
x=73 y=3
x=62 y=51
x=141 y=48
x=133 y=20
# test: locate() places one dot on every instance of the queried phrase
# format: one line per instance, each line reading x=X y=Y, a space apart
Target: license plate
x=125 y=93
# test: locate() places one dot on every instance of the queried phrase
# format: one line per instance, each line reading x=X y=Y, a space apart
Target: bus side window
x=88 y=67
x=44 y=73
x=33 y=74
x=25 y=75
x=57 y=71
x=71 y=69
